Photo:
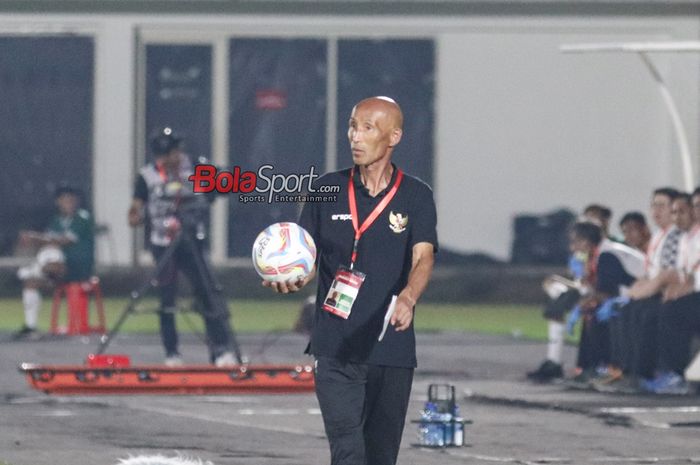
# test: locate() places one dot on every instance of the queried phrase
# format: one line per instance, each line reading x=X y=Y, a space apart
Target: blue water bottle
x=435 y=430
x=427 y=428
x=423 y=431
x=458 y=431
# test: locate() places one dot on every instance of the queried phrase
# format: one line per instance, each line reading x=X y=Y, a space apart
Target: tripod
x=206 y=285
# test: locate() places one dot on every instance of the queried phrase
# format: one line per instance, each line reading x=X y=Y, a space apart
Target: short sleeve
x=85 y=229
x=424 y=218
x=141 y=189
x=611 y=275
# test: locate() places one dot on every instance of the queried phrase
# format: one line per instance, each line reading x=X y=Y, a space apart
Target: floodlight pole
x=678 y=127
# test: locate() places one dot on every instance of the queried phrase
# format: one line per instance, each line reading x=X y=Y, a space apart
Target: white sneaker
x=173 y=361
x=225 y=359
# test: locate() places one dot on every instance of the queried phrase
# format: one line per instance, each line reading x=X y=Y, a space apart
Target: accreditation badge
x=343 y=292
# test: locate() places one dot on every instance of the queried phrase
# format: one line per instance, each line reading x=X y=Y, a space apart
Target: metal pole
x=678 y=128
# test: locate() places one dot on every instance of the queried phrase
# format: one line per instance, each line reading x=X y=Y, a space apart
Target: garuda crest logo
x=398 y=222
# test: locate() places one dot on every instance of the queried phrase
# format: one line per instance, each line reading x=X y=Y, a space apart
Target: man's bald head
x=385 y=105
x=374 y=129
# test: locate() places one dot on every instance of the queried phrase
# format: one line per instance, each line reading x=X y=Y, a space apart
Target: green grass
x=257 y=316
x=248 y=315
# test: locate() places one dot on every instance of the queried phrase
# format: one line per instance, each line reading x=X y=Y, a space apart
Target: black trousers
x=594 y=344
x=643 y=331
x=559 y=307
x=634 y=337
x=679 y=320
x=619 y=344
x=633 y=323
x=189 y=258
x=364 y=410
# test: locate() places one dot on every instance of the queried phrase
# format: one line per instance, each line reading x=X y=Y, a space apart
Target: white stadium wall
x=526 y=129
x=520 y=127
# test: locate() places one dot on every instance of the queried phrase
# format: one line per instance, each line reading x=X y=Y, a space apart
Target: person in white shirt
x=679 y=317
x=634 y=329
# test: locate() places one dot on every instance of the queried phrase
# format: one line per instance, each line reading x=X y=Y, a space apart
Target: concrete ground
x=513 y=421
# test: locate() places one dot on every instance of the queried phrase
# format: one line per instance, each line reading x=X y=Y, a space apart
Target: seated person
x=612 y=267
x=601 y=215
x=662 y=254
x=679 y=318
x=635 y=230
x=66 y=254
x=634 y=327
x=565 y=293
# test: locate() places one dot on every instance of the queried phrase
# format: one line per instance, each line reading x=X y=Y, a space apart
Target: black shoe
x=581 y=381
x=25 y=333
x=546 y=372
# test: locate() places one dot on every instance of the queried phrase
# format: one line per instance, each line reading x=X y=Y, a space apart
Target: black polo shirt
x=611 y=274
x=384 y=254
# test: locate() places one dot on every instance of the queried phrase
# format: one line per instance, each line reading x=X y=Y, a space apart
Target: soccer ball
x=284 y=252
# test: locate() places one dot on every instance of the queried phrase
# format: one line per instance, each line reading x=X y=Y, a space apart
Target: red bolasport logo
x=263 y=185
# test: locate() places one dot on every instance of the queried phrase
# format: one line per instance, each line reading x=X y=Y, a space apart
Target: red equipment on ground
x=78 y=296
x=113 y=374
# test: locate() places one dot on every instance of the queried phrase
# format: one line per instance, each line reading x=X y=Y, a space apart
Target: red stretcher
x=106 y=374
x=113 y=373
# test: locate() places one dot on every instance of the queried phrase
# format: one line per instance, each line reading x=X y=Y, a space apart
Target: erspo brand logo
x=263 y=185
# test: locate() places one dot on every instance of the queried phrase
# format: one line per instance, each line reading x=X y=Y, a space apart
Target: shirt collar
x=357 y=180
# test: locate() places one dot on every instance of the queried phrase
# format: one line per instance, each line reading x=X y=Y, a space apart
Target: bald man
x=376 y=242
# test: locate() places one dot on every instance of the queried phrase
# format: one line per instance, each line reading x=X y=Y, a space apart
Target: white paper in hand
x=387 y=317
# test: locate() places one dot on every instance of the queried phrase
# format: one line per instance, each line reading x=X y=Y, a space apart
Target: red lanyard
x=162 y=172
x=359 y=230
x=592 y=266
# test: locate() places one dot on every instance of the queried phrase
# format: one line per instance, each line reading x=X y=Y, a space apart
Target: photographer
x=177 y=229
